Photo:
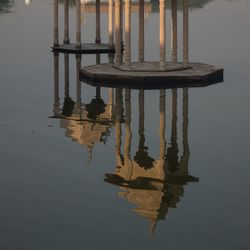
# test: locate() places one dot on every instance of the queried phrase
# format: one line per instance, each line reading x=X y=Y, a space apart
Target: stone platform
x=149 y=76
x=86 y=48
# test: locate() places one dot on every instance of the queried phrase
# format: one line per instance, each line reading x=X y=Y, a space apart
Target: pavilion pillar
x=141 y=32
x=78 y=23
x=121 y=22
x=174 y=31
x=66 y=22
x=162 y=38
x=127 y=33
x=118 y=55
x=98 y=22
x=56 y=35
x=110 y=24
x=185 y=31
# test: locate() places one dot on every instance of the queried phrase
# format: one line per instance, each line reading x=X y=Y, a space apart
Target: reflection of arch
x=153 y=190
x=83 y=123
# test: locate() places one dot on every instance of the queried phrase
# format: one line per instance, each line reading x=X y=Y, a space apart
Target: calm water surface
x=128 y=169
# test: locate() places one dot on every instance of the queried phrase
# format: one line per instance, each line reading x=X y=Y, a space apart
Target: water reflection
x=6 y=5
x=153 y=185
x=85 y=123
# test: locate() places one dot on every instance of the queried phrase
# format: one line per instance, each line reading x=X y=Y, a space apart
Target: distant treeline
x=6 y=5
x=193 y=4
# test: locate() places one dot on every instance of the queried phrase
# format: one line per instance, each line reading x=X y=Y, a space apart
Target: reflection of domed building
x=152 y=185
x=86 y=124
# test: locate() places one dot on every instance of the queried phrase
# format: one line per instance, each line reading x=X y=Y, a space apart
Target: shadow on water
x=152 y=185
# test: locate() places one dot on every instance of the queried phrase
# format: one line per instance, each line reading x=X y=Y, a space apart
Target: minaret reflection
x=152 y=185
x=85 y=123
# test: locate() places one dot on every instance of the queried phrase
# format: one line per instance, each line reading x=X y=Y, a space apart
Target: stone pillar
x=78 y=23
x=162 y=38
x=127 y=33
x=162 y=124
x=56 y=35
x=118 y=55
x=110 y=24
x=185 y=31
x=66 y=22
x=174 y=31
x=141 y=32
x=121 y=22
x=66 y=75
x=98 y=22
x=56 y=107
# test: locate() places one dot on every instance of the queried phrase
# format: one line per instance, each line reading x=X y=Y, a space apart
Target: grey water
x=89 y=168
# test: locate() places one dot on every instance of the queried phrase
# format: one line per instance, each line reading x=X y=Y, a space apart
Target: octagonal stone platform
x=148 y=75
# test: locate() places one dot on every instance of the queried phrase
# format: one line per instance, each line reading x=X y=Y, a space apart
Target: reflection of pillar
x=162 y=124
x=56 y=83
x=78 y=23
x=98 y=22
x=66 y=75
x=162 y=34
x=185 y=30
x=141 y=32
x=66 y=22
x=174 y=117
x=78 y=83
x=110 y=25
x=98 y=58
x=111 y=57
x=172 y=152
x=185 y=121
x=128 y=139
x=127 y=33
x=118 y=117
x=141 y=120
x=111 y=101
x=117 y=32
x=174 y=31
x=56 y=39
